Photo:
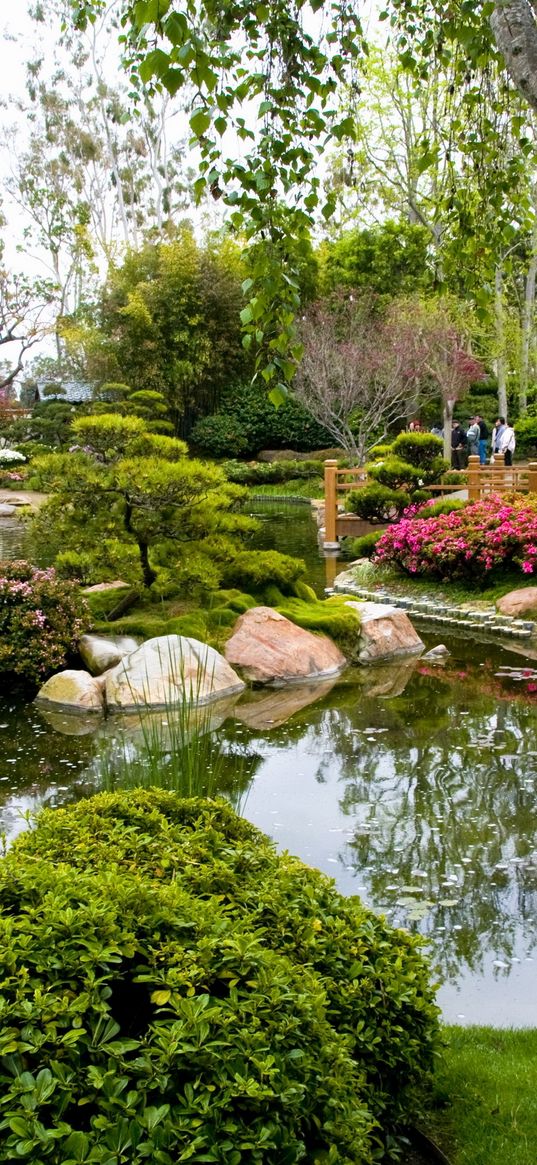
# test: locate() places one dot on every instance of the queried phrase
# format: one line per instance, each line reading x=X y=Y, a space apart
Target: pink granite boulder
x=267 y=648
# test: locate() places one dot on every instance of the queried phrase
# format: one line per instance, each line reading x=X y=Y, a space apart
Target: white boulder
x=167 y=670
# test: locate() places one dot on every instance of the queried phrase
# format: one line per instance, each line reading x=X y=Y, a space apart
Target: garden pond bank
x=413 y=786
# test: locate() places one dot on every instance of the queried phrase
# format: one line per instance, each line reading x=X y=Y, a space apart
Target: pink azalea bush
x=466 y=544
x=41 y=619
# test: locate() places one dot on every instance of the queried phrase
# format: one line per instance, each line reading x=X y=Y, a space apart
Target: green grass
x=296 y=488
x=389 y=578
x=485 y=1106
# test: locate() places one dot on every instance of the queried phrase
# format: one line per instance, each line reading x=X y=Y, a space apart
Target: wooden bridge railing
x=483 y=480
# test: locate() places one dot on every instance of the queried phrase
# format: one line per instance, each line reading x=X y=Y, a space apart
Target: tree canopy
x=273 y=75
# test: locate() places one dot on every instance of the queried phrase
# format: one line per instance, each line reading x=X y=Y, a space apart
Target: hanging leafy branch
x=267 y=74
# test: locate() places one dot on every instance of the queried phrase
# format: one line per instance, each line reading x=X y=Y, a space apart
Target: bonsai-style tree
x=124 y=484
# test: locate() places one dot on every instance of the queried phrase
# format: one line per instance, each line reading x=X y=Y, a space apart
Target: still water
x=412 y=786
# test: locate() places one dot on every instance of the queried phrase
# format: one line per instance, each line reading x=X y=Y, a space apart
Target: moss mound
x=173 y=990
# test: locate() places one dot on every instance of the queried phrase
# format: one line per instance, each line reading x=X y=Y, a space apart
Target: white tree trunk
x=528 y=317
x=500 y=363
x=448 y=419
x=514 y=27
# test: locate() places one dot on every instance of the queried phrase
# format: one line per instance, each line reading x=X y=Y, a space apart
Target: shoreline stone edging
x=431 y=611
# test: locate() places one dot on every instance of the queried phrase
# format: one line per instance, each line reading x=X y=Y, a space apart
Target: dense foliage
x=468 y=543
x=41 y=619
x=175 y=990
x=377 y=503
x=127 y=501
x=248 y=422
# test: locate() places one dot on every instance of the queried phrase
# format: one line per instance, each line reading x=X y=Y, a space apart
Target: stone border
x=431 y=611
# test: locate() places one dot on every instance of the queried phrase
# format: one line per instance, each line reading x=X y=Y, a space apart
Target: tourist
x=472 y=436
x=506 y=444
x=458 y=446
x=499 y=426
x=483 y=438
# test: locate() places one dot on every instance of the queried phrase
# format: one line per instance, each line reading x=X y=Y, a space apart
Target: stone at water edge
x=521 y=602
x=269 y=649
x=105 y=586
x=101 y=652
x=6 y=511
x=167 y=670
x=385 y=633
x=439 y=653
x=73 y=691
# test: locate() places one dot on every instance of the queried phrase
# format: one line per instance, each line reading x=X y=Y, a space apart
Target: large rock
x=269 y=649
x=166 y=671
x=521 y=602
x=385 y=633
x=73 y=691
x=118 y=584
x=101 y=652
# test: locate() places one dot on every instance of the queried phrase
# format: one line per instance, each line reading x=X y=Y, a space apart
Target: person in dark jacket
x=483 y=438
x=459 y=442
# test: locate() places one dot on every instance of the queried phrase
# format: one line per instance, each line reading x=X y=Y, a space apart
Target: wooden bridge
x=482 y=481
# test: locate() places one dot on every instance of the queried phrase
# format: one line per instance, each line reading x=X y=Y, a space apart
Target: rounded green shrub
x=442 y=506
x=271 y=472
x=422 y=450
x=253 y=570
x=172 y=989
x=220 y=435
x=363 y=547
x=377 y=503
x=395 y=473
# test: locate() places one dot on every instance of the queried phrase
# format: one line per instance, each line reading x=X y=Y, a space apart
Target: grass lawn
x=309 y=487
x=485 y=1106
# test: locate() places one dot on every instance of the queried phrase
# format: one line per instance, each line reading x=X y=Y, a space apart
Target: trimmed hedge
x=174 y=990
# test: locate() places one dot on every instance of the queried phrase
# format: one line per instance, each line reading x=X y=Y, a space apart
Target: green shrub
x=247 y=409
x=41 y=619
x=221 y=435
x=379 y=452
x=526 y=437
x=395 y=473
x=442 y=506
x=377 y=503
x=271 y=472
x=455 y=477
x=363 y=547
x=253 y=570
x=75 y=564
x=172 y=989
x=422 y=450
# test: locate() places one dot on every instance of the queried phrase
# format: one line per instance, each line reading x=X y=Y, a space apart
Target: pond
x=413 y=786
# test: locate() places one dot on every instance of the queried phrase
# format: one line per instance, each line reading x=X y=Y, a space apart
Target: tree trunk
x=448 y=418
x=500 y=366
x=147 y=570
x=528 y=314
x=515 y=32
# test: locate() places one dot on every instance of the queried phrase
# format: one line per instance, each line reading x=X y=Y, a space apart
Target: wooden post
x=532 y=477
x=498 y=477
x=473 y=478
x=330 y=506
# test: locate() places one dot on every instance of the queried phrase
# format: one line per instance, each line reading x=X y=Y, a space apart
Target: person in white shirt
x=499 y=426
x=506 y=444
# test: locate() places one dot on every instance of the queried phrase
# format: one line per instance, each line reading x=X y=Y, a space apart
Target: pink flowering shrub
x=465 y=544
x=41 y=619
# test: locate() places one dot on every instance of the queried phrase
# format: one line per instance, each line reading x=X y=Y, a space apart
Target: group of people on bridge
x=474 y=441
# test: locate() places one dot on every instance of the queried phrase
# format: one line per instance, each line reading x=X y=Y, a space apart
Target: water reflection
x=413 y=786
